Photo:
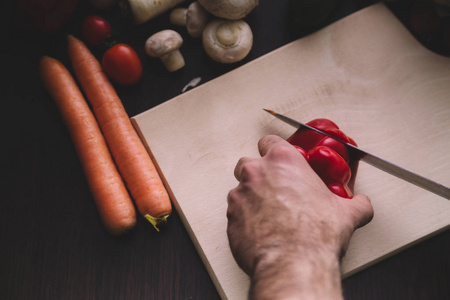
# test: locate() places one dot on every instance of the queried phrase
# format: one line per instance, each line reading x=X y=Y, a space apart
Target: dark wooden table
x=52 y=244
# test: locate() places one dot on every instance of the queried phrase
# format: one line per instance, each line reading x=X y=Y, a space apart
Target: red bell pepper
x=328 y=157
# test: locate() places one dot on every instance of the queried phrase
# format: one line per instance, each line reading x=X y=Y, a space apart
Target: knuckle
x=282 y=151
x=249 y=169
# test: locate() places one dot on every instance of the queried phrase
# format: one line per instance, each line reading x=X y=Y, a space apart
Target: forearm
x=311 y=274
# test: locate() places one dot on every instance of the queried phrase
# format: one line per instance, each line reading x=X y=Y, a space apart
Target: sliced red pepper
x=328 y=158
x=332 y=169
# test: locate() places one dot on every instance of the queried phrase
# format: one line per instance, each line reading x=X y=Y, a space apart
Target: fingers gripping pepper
x=328 y=157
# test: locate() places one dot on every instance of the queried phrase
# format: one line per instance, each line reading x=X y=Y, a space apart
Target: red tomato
x=122 y=64
x=95 y=30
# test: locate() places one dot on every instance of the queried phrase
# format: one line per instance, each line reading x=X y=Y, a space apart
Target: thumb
x=361 y=210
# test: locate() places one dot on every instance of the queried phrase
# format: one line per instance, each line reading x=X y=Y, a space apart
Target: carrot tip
x=157 y=221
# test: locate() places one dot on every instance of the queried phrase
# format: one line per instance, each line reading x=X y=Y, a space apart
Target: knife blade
x=378 y=162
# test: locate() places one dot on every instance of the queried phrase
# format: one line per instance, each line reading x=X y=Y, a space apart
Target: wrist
x=303 y=274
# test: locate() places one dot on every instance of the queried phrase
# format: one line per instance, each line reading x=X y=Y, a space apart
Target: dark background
x=52 y=244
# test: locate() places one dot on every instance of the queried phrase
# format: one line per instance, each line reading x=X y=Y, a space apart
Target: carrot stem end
x=157 y=221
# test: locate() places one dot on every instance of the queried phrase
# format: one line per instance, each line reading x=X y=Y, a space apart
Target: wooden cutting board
x=366 y=73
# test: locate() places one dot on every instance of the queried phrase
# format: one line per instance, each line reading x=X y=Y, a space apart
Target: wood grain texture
x=366 y=73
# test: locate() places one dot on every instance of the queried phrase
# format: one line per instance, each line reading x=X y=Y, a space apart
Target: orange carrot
x=133 y=161
x=114 y=204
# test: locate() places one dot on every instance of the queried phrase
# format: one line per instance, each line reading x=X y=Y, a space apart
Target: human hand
x=281 y=212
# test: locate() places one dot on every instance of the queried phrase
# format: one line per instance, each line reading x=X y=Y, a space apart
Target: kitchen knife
x=376 y=161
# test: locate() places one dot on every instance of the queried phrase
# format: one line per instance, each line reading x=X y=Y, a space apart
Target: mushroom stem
x=173 y=61
x=227 y=34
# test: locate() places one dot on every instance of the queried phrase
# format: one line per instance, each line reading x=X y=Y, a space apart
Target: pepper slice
x=327 y=157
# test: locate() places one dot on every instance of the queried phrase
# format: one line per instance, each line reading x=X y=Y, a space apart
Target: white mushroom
x=178 y=16
x=227 y=41
x=229 y=9
x=144 y=10
x=165 y=45
x=195 y=18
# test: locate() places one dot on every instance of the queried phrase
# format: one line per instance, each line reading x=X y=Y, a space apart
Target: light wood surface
x=367 y=74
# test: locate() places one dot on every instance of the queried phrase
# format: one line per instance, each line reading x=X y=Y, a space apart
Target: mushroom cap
x=163 y=42
x=229 y=9
x=227 y=41
x=144 y=10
